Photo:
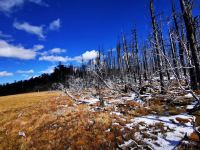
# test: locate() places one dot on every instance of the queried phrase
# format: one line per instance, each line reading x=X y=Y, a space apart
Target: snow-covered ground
x=174 y=130
x=156 y=132
x=89 y=101
x=191 y=106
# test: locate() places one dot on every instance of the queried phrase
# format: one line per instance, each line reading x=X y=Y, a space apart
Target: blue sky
x=36 y=34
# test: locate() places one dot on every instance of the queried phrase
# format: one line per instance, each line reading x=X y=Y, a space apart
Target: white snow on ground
x=21 y=133
x=116 y=113
x=189 y=95
x=191 y=106
x=89 y=101
x=133 y=97
x=129 y=97
x=115 y=123
x=126 y=143
x=172 y=136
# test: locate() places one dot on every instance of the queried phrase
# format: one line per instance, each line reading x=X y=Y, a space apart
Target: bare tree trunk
x=155 y=32
x=189 y=23
x=126 y=52
x=164 y=51
x=145 y=63
x=133 y=57
x=137 y=57
x=173 y=49
x=181 y=47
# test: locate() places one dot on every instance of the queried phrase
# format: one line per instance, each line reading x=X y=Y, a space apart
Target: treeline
x=171 y=51
x=42 y=83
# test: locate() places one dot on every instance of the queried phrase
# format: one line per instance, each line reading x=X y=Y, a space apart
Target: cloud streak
x=57 y=51
x=32 y=29
x=3 y=35
x=88 y=55
x=55 y=25
x=5 y=74
x=7 y=6
x=49 y=70
x=25 y=71
x=52 y=58
x=39 y=30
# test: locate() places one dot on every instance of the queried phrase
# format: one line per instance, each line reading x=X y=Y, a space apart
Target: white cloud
x=38 y=47
x=12 y=51
x=52 y=51
x=55 y=25
x=5 y=74
x=57 y=51
x=49 y=70
x=8 y=6
x=45 y=53
x=52 y=58
x=39 y=2
x=88 y=55
x=25 y=71
x=36 y=30
x=2 y=35
x=32 y=29
x=28 y=77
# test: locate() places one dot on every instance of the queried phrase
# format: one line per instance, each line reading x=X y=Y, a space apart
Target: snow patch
x=116 y=113
x=90 y=101
x=21 y=133
x=126 y=143
x=171 y=137
x=135 y=98
x=189 y=95
x=191 y=106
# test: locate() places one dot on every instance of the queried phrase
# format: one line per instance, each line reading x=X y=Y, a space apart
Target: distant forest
x=42 y=83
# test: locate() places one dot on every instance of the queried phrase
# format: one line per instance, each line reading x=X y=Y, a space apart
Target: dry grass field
x=49 y=120
x=23 y=100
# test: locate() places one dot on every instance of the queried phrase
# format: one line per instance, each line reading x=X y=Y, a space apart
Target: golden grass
x=23 y=100
x=11 y=106
x=52 y=122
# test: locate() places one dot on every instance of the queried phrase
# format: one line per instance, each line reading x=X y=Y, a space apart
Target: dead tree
x=98 y=70
x=186 y=7
x=164 y=51
x=157 y=47
x=126 y=55
x=173 y=50
x=154 y=64
x=138 y=70
x=133 y=57
x=145 y=63
x=119 y=56
x=181 y=47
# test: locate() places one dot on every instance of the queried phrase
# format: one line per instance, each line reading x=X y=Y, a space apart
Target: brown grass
x=52 y=122
x=23 y=100
x=182 y=120
x=194 y=137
